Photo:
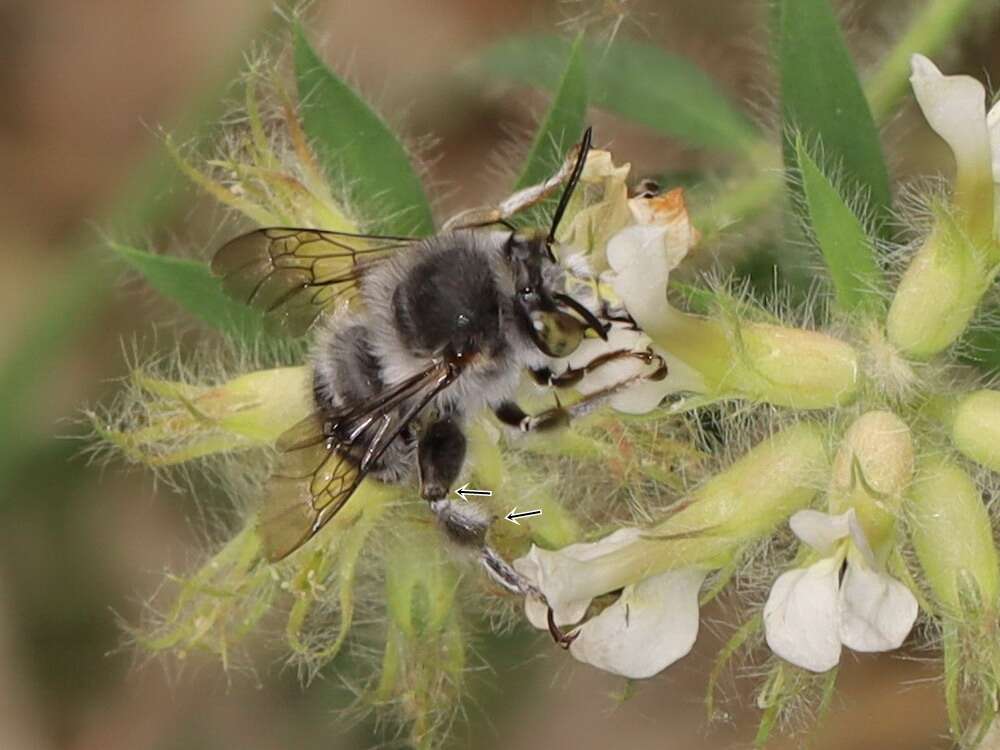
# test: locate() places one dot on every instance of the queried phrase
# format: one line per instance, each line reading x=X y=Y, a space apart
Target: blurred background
x=84 y=86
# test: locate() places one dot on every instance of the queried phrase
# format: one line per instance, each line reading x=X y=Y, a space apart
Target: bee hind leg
x=466 y=524
x=441 y=453
x=440 y=456
x=504 y=574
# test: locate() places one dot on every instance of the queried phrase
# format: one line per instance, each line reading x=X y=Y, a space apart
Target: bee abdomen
x=347 y=371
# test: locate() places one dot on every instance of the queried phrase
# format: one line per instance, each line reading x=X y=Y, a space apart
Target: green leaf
x=191 y=285
x=933 y=26
x=840 y=235
x=823 y=99
x=637 y=81
x=982 y=345
x=563 y=124
x=355 y=146
x=696 y=299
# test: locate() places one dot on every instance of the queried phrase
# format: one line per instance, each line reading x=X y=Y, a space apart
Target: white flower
x=810 y=612
x=641 y=255
x=653 y=623
x=955 y=107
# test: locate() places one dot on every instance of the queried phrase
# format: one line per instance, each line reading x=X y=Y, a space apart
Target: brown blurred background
x=83 y=87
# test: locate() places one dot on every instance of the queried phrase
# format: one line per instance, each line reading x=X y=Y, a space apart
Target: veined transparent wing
x=294 y=275
x=323 y=459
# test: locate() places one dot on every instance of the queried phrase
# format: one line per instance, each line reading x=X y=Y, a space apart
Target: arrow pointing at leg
x=514 y=515
x=464 y=493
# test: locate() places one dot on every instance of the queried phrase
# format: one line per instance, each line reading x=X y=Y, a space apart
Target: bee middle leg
x=570 y=377
x=560 y=416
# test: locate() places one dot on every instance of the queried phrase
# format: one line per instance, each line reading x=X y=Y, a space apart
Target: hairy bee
x=439 y=329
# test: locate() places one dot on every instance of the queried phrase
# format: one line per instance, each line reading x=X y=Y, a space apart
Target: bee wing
x=293 y=275
x=323 y=459
x=310 y=483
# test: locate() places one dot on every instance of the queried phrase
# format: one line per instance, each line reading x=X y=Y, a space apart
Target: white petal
x=955 y=107
x=653 y=624
x=641 y=272
x=564 y=580
x=993 y=126
x=876 y=611
x=642 y=397
x=638 y=398
x=642 y=255
x=802 y=618
x=821 y=531
x=536 y=612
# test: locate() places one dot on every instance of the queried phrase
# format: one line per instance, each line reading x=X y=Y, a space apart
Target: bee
x=414 y=336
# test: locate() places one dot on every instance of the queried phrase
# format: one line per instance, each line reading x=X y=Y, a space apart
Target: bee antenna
x=574 y=178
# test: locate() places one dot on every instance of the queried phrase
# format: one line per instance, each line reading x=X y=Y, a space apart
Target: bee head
x=544 y=311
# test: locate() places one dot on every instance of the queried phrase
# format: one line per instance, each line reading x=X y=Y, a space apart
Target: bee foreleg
x=440 y=455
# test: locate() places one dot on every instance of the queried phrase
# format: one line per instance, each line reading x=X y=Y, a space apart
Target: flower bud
x=783 y=366
x=793 y=367
x=779 y=476
x=975 y=428
x=938 y=293
x=951 y=532
x=420 y=584
x=178 y=421
x=871 y=471
x=746 y=501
